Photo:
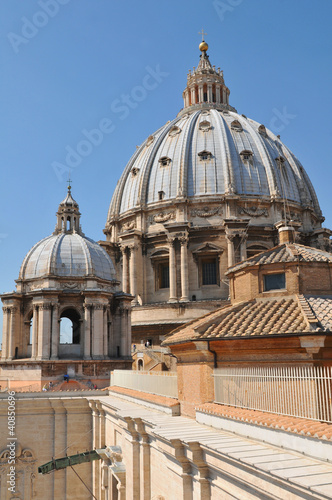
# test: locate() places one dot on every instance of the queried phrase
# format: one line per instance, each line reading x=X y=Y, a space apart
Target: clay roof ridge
x=308 y=313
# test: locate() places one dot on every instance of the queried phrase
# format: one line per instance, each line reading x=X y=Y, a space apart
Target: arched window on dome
x=236 y=125
x=246 y=155
x=140 y=365
x=205 y=155
x=164 y=161
x=174 y=131
x=204 y=126
x=262 y=130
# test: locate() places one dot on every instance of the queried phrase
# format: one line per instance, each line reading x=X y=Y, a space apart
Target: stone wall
x=45 y=428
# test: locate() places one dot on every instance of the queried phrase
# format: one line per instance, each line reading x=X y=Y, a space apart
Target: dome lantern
x=68 y=215
x=205 y=84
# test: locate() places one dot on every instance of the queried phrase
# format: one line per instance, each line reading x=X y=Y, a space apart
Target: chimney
x=286 y=234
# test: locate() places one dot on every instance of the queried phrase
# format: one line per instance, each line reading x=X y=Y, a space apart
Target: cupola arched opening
x=70 y=345
x=70 y=321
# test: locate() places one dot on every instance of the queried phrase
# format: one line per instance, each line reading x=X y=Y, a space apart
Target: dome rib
x=259 y=141
x=151 y=159
x=184 y=155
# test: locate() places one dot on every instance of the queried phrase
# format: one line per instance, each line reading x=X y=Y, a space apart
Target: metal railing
x=294 y=391
x=160 y=383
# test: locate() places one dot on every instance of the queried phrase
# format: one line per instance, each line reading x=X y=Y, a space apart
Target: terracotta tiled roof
x=322 y=309
x=287 y=252
x=313 y=428
x=260 y=317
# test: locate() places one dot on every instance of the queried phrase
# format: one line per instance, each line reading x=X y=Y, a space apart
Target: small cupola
x=68 y=215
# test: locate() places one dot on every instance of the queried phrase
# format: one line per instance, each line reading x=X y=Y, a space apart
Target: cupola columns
x=68 y=215
x=205 y=83
x=172 y=270
x=184 y=269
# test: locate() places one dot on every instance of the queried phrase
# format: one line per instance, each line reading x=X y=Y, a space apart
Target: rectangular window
x=209 y=271
x=274 y=281
x=164 y=275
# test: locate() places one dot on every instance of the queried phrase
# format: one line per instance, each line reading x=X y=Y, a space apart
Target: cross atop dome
x=203 y=46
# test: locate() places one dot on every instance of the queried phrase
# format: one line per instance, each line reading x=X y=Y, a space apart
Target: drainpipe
x=215 y=364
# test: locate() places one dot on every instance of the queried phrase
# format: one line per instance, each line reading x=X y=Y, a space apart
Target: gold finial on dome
x=203 y=46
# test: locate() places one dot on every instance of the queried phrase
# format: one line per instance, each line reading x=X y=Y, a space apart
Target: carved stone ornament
x=174 y=131
x=71 y=285
x=163 y=216
x=206 y=212
x=127 y=226
x=205 y=126
x=292 y=216
x=254 y=211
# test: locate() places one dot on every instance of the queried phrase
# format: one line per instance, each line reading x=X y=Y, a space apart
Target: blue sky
x=68 y=66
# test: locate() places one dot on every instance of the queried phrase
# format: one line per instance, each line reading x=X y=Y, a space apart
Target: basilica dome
x=209 y=150
x=67 y=252
x=208 y=153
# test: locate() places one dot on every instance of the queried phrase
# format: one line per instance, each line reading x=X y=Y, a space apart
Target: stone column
x=184 y=269
x=224 y=100
x=44 y=331
x=172 y=270
x=123 y=337
x=55 y=337
x=11 y=336
x=209 y=93
x=193 y=95
x=59 y=441
x=34 y=345
x=243 y=247
x=5 y=331
x=87 y=331
x=98 y=331
x=132 y=272
x=124 y=252
x=218 y=94
x=95 y=444
x=230 y=249
x=200 y=93
x=186 y=98
x=105 y=331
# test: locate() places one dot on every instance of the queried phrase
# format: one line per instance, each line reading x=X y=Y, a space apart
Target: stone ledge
x=161 y=403
x=309 y=437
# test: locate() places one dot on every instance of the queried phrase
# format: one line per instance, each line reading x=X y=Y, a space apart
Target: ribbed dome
x=206 y=152
x=70 y=255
